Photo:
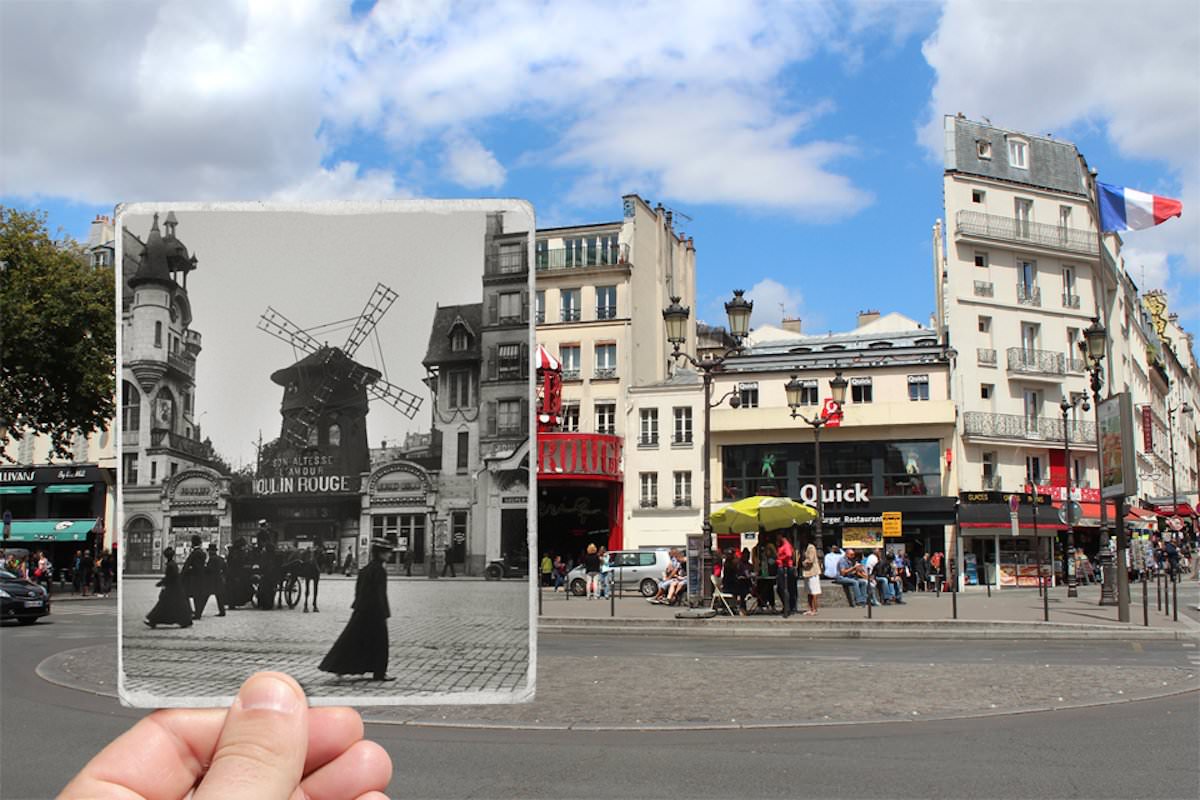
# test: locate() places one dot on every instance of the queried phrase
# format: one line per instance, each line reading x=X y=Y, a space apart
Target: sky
x=317 y=270
x=799 y=143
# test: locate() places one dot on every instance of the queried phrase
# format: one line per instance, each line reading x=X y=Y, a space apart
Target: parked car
x=22 y=600
x=507 y=567
x=632 y=570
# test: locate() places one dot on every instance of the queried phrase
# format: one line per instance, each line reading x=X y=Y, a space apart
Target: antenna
x=680 y=214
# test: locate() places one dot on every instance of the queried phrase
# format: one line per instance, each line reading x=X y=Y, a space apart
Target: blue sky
x=801 y=138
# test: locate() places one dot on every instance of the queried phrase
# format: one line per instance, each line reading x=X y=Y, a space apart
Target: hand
x=270 y=744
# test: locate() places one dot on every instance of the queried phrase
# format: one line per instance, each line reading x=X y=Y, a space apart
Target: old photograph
x=325 y=437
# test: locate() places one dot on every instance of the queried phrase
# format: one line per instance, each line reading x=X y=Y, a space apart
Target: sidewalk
x=1008 y=613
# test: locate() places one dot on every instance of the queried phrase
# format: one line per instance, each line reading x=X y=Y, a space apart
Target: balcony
x=986 y=356
x=604 y=373
x=980 y=424
x=182 y=363
x=564 y=258
x=570 y=374
x=513 y=263
x=161 y=438
x=1036 y=362
x=1070 y=301
x=990 y=483
x=1014 y=231
x=606 y=312
x=191 y=342
x=1029 y=295
x=985 y=289
x=570 y=315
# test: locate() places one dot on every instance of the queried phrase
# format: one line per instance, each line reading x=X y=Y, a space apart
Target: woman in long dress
x=173 y=607
x=363 y=645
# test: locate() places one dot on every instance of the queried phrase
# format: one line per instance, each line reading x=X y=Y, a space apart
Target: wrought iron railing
x=507 y=263
x=984 y=289
x=605 y=372
x=570 y=315
x=570 y=374
x=1035 y=362
x=1019 y=426
x=574 y=258
x=990 y=483
x=986 y=356
x=606 y=312
x=1029 y=295
x=683 y=502
x=1010 y=229
x=1070 y=301
x=649 y=502
x=1076 y=364
x=161 y=437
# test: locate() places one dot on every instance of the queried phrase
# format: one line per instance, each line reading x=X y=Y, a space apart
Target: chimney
x=867 y=317
x=101 y=231
x=791 y=324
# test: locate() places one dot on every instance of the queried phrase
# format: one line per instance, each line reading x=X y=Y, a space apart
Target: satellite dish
x=1076 y=513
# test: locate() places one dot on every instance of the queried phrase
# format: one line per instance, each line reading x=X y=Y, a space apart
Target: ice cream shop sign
x=579 y=455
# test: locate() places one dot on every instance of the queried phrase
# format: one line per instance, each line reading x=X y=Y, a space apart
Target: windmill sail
x=402 y=400
x=287 y=331
x=378 y=304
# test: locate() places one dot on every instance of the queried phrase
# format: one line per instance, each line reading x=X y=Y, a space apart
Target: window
x=981 y=259
x=1029 y=339
x=990 y=477
x=510 y=306
x=459 y=340
x=683 y=489
x=918 y=387
x=606 y=418
x=509 y=360
x=649 y=429
x=1023 y=211
x=569 y=304
x=606 y=302
x=609 y=249
x=174 y=468
x=334 y=435
x=153 y=471
x=1064 y=216
x=978 y=195
x=983 y=149
x=158 y=334
x=1033 y=469
x=129 y=469
x=568 y=354
x=539 y=306
x=683 y=425
x=748 y=394
x=649 y=482
x=810 y=393
x=462 y=454
x=570 y=416
x=541 y=254
x=573 y=254
x=131 y=407
x=512 y=259
x=1027 y=288
x=508 y=417
x=606 y=360
x=459 y=386
x=986 y=390
x=860 y=390
x=985 y=324
x=1070 y=298
x=1018 y=154
x=1033 y=410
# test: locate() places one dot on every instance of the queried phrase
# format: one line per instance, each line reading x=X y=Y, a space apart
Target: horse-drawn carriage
x=244 y=581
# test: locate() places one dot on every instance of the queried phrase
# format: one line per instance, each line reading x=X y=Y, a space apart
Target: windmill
x=329 y=381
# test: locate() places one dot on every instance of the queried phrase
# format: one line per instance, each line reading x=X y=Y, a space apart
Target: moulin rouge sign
x=579 y=455
x=305 y=474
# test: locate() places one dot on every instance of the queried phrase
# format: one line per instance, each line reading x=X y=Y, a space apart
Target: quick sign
x=837 y=493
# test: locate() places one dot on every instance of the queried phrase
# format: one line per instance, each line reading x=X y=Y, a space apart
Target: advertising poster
x=1118 y=475
x=862 y=538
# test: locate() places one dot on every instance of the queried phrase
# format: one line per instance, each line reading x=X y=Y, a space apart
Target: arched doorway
x=139 y=545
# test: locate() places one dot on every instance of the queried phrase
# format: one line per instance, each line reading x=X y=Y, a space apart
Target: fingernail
x=267 y=693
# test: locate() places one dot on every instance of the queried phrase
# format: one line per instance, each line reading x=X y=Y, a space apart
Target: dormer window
x=459 y=340
x=1018 y=153
x=983 y=148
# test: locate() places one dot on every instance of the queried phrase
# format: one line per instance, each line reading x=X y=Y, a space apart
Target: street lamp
x=1095 y=338
x=837 y=390
x=1067 y=406
x=675 y=316
x=1185 y=409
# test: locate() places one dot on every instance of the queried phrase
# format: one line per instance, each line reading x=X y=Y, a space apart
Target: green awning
x=68 y=488
x=16 y=490
x=52 y=530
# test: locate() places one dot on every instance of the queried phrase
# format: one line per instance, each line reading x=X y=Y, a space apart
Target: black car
x=22 y=600
x=507 y=567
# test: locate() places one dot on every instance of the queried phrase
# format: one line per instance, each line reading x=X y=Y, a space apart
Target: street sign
x=832 y=412
x=892 y=524
x=1076 y=513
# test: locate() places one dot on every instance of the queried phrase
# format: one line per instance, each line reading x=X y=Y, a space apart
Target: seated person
x=678 y=586
x=669 y=574
x=848 y=575
x=890 y=587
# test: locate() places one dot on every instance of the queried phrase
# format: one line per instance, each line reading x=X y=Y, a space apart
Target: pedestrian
x=348 y=565
x=785 y=577
x=448 y=562
x=731 y=584
x=76 y=572
x=193 y=577
x=87 y=575
x=591 y=566
x=172 y=607
x=268 y=569
x=605 y=573
x=546 y=568
x=560 y=573
x=811 y=572
x=363 y=645
x=214 y=574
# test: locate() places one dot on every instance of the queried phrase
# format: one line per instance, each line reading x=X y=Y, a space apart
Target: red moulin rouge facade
x=585 y=460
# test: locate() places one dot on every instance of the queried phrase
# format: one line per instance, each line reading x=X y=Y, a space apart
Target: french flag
x=1123 y=209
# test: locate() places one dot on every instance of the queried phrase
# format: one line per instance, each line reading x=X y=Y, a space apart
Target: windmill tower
x=326 y=399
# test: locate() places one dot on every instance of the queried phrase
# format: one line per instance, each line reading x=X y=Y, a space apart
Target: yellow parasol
x=769 y=513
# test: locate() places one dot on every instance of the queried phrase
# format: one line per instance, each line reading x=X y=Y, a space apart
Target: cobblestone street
x=463 y=636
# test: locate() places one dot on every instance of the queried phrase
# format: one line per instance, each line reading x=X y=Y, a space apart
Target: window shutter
x=525 y=360
x=525 y=306
x=524 y=415
x=491 y=417
x=491 y=359
x=493 y=308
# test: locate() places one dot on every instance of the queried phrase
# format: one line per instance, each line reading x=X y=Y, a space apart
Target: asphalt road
x=1141 y=749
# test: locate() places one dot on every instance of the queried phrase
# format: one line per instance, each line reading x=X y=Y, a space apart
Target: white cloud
x=468 y=163
x=346 y=181
x=773 y=302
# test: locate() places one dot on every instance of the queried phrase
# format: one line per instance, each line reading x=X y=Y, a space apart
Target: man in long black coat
x=363 y=644
x=214 y=574
x=193 y=578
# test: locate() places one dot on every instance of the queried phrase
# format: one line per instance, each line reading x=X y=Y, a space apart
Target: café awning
x=51 y=530
x=69 y=488
x=16 y=490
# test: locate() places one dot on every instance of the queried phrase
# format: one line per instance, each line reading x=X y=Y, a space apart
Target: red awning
x=543 y=360
x=1142 y=514
x=1182 y=510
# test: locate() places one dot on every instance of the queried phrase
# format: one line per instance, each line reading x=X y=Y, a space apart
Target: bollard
x=1166 y=595
x=989 y=585
x=869 y=603
x=1045 y=601
x=1174 y=599
x=1157 y=592
x=612 y=597
x=539 y=598
x=1145 y=601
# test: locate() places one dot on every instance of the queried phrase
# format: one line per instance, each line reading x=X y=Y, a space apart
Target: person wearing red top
x=785 y=579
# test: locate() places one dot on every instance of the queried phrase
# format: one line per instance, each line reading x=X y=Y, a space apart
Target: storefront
x=860 y=481
x=57 y=510
x=580 y=497
x=1000 y=554
x=399 y=505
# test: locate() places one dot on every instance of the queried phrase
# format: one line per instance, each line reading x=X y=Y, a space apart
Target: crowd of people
x=87 y=574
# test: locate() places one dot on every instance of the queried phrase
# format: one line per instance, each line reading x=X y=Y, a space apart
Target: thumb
x=260 y=754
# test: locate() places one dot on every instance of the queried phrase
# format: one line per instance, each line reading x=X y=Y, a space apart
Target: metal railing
x=606 y=312
x=1070 y=301
x=605 y=372
x=1011 y=229
x=1035 y=362
x=986 y=356
x=573 y=258
x=182 y=363
x=1029 y=295
x=985 y=289
x=570 y=315
x=1019 y=426
x=570 y=374
x=507 y=263
x=990 y=483
x=683 y=502
x=161 y=437
x=1076 y=365
x=649 y=502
